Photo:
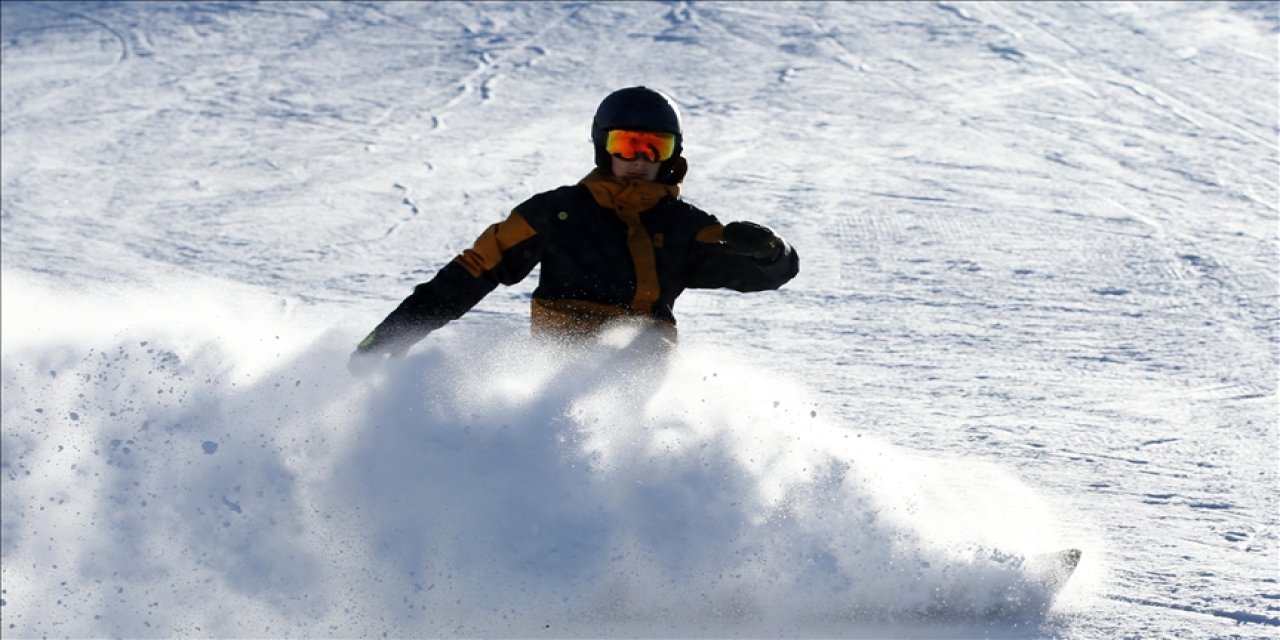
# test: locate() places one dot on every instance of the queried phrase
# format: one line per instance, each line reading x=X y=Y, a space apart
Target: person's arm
x=743 y=256
x=451 y=293
x=504 y=254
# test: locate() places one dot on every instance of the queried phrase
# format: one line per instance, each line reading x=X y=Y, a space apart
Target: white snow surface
x=1037 y=309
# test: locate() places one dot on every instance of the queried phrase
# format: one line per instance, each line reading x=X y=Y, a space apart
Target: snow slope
x=1037 y=308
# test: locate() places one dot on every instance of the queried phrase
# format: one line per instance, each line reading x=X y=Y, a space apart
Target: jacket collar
x=624 y=195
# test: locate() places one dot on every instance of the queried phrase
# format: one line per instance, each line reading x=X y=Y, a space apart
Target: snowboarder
x=618 y=245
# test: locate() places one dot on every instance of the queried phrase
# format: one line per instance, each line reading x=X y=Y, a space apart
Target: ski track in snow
x=1037 y=307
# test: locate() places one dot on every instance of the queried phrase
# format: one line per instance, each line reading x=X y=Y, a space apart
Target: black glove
x=755 y=241
x=373 y=351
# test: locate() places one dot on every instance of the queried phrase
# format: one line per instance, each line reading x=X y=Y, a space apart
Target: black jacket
x=609 y=249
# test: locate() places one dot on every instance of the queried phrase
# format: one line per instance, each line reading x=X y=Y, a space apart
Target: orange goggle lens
x=629 y=145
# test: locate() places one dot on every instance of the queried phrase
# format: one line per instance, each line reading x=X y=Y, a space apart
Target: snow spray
x=210 y=468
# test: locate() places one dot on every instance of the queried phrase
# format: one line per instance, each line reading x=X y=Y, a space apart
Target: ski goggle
x=630 y=145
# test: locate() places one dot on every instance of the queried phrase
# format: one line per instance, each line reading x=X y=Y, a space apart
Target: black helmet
x=642 y=109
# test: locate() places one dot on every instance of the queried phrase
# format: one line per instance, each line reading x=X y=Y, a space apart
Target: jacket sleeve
x=504 y=254
x=714 y=267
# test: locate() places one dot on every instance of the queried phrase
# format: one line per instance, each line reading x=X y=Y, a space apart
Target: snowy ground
x=1037 y=308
